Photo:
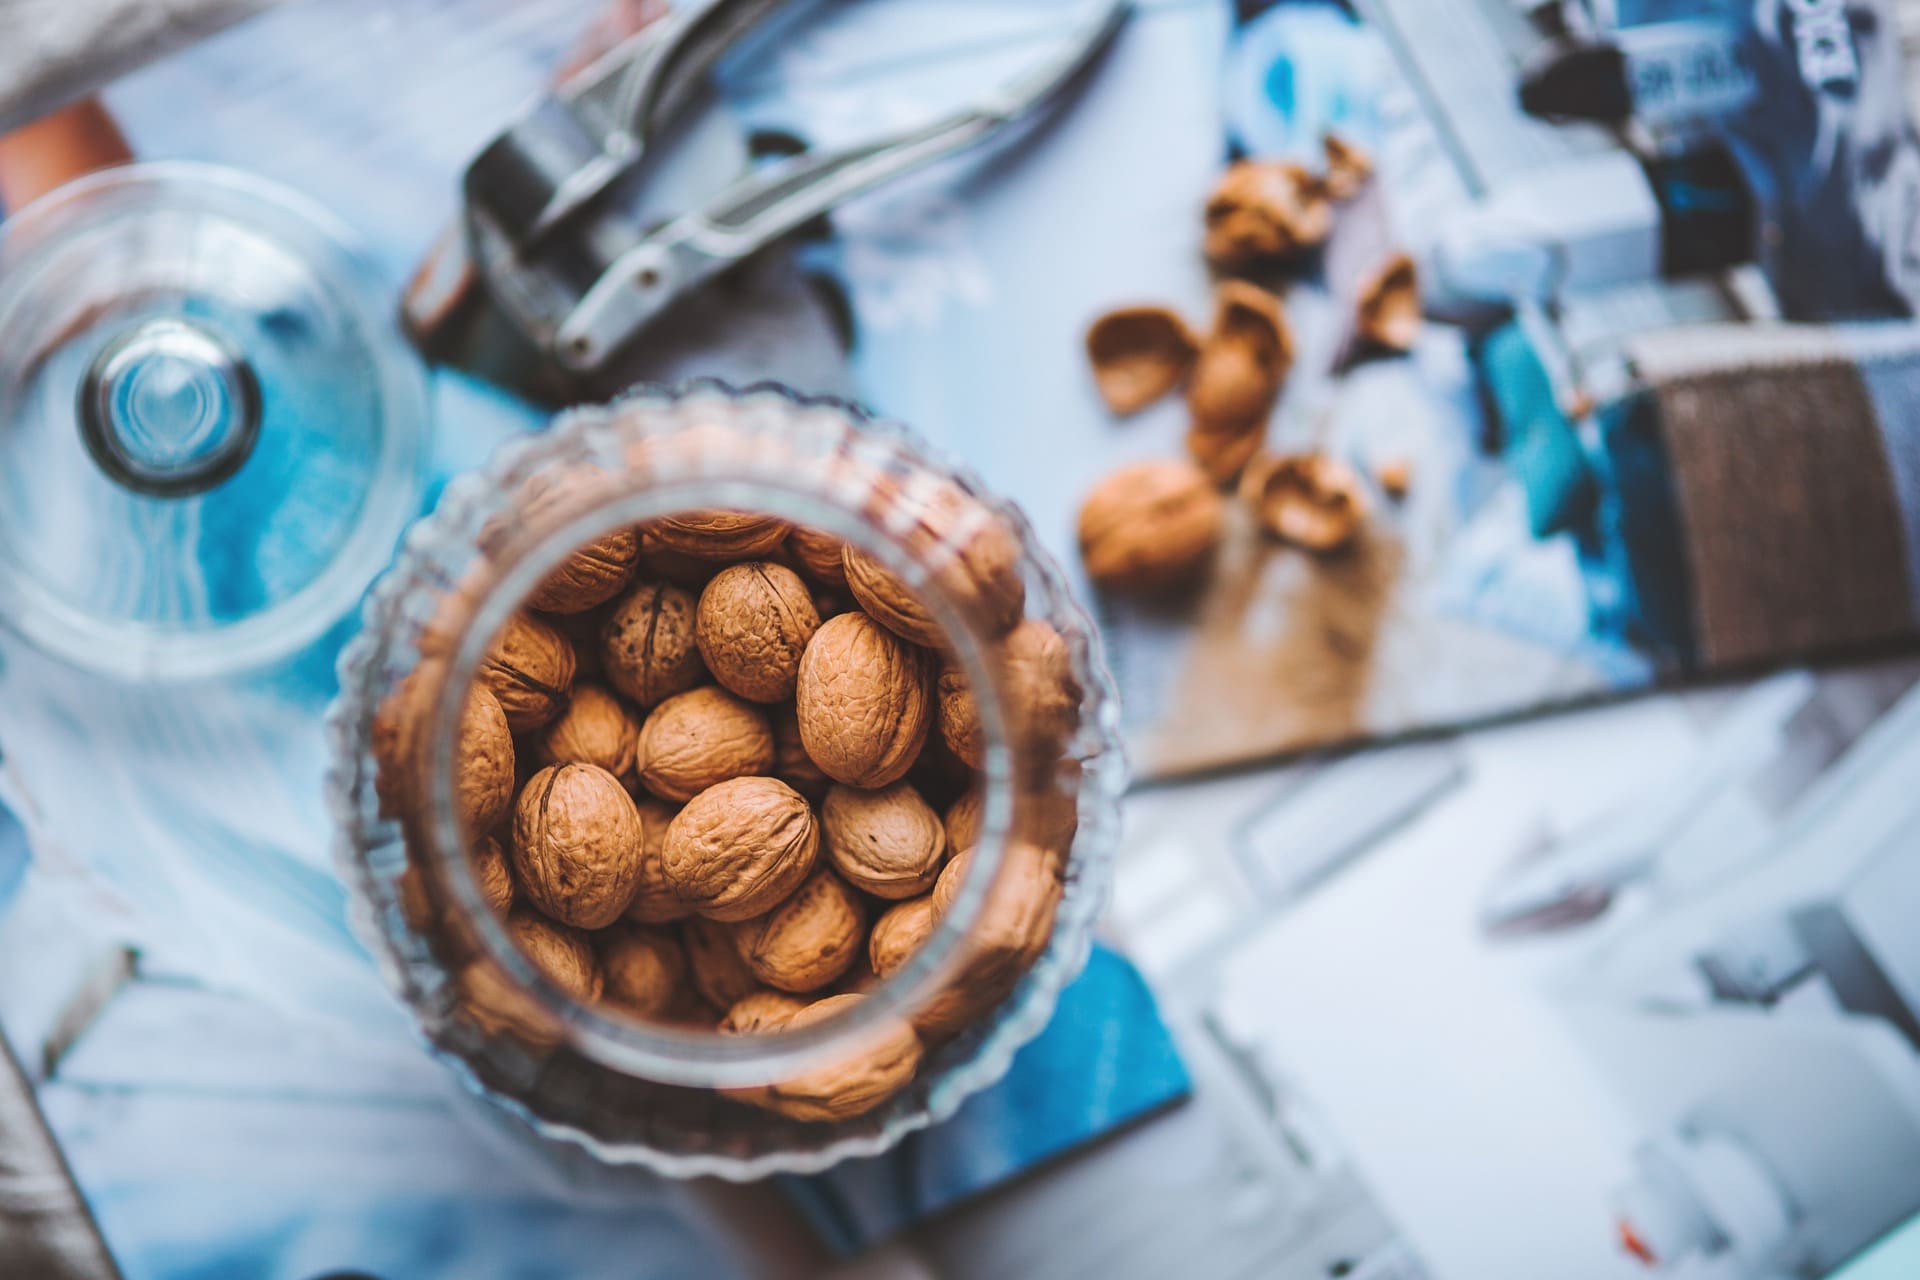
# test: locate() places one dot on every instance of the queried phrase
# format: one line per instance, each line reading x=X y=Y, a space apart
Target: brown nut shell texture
x=530 y=670
x=759 y=1012
x=1237 y=379
x=1310 y=500
x=818 y=555
x=644 y=969
x=1265 y=212
x=1043 y=694
x=698 y=739
x=720 y=535
x=791 y=763
x=960 y=725
x=596 y=728
x=654 y=901
x=1150 y=525
x=714 y=965
x=1389 y=306
x=577 y=844
x=564 y=955
x=899 y=933
x=493 y=875
x=810 y=939
x=753 y=622
x=738 y=849
x=887 y=842
x=647 y=644
x=864 y=700
x=591 y=574
x=884 y=1065
x=968 y=550
x=483 y=782
x=963 y=821
x=1139 y=354
x=1012 y=931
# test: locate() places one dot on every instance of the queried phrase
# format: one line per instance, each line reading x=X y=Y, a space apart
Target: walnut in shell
x=791 y=763
x=596 y=728
x=577 y=844
x=654 y=901
x=884 y=1065
x=1308 y=499
x=1010 y=934
x=886 y=842
x=759 y=1012
x=714 y=965
x=818 y=555
x=644 y=969
x=590 y=575
x=493 y=875
x=484 y=768
x=739 y=848
x=529 y=669
x=970 y=552
x=564 y=955
x=484 y=765
x=960 y=723
x=647 y=645
x=1139 y=354
x=864 y=701
x=1389 y=306
x=810 y=939
x=900 y=933
x=1265 y=212
x=1149 y=526
x=697 y=739
x=720 y=535
x=963 y=821
x=752 y=625
x=1237 y=379
x=1043 y=695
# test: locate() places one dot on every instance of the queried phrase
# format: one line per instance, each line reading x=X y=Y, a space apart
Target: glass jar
x=647 y=1092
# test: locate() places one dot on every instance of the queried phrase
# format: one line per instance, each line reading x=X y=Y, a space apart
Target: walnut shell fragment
x=654 y=901
x=1308 y=499
x=864 y=701
x=577 y=844
x=1265 y=212
x=643 y=969
x=1388 y=315
x=647 y=644
x=738 y=849
x=1139 y=354
x=720 y=535
x=887 y=842
x=761 y=1011
x=1237 y=379
x=899 y=933
x=596 y=728
x=1348 y=168
x=529 y=668
x=810 y=939
x=752 y=625
x=885 y=1064
x=697 y=739
x=1150 y=525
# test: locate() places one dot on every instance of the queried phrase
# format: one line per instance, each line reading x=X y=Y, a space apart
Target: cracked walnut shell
x=884 y=1065
x=752 y=624
x=1264 y=212
x=1150 y=525
x=529 y=668
x=577 y=844
x=1348 y=168
x=1139 y=354
x=738 y=849
x=1308 y=499
x=701 y=738
x=1389 y=307
x=596 y=728
x=1243 y=364
x=887 y=842
x=864 y=701
x=647 y=644
x=643 y=969
x=900 y=933
x=810 y=939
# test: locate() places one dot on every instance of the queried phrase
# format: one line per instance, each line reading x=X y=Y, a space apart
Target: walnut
x=493 y=875
x=1237 y=379
x=700 y=738
x=1046 y=808
x=714 y=965
x=864 y=701
x=808 y=940
x=901 y=932
x=969 y=550
x=1264 y=212
x=887 y=842
x=484 y=764
x=739 y=848
x=647 y=644
x=644 y=969
x=884 y=1065
x=1310 y=500
x=1009 y=935
x=818 y=555
x=963 y=821
x=960 y=718
x=592 y=574
x=529 y=669
x=577 y=844
x=596 y=728
x=752 y=625
x=1389 y=308
x=1348 y=168
x=791 y=763
x=720 y=535
x=1149 y=526
x=659 y=563
x=564 y=955
x=1043 y=694
x=655 y=902
x=760 y=1011
x=1139 y=354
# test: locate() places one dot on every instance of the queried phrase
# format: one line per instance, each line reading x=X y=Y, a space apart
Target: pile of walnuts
x=721 y=772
